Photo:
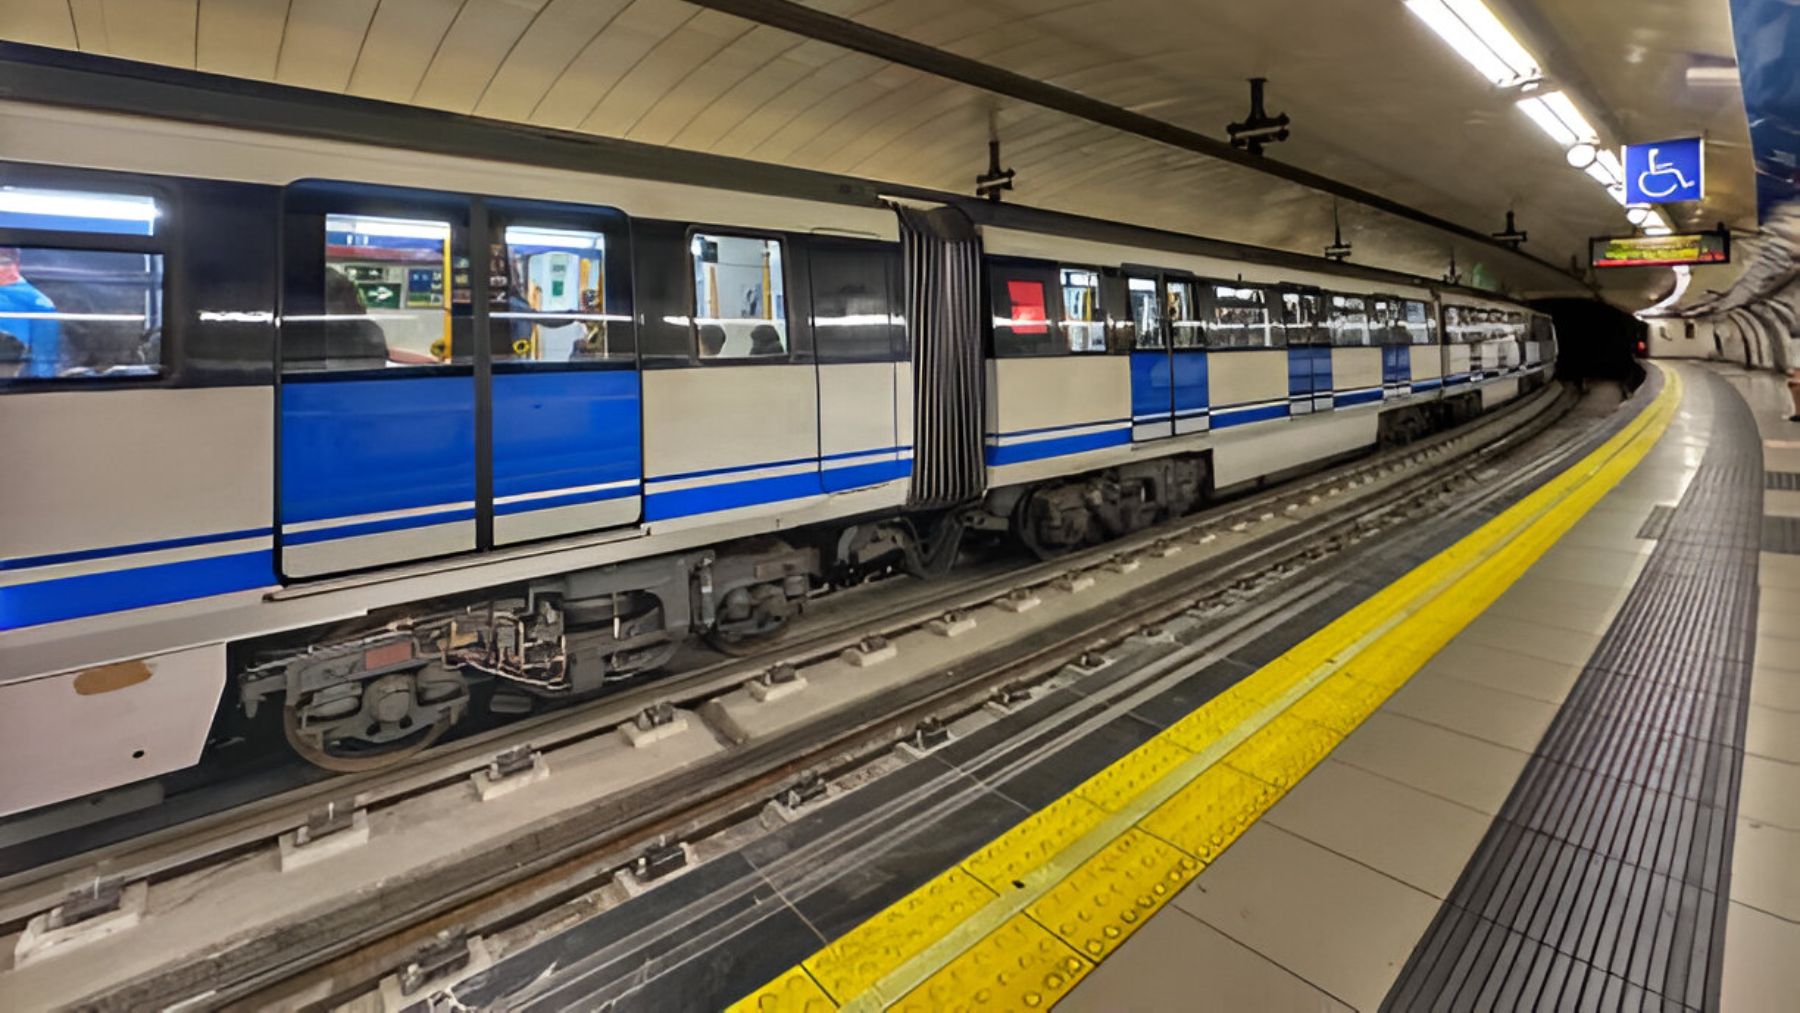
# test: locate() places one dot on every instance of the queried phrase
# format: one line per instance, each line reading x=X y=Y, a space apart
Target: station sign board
x=1660 y=251
x=1665 y=172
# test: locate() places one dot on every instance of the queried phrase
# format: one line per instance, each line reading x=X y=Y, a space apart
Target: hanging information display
x=1660 y=251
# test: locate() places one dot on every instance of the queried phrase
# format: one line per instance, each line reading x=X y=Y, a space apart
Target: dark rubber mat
x=1785 y=481
x=1781 y=534
x=1657 y=523
x=1601 y=884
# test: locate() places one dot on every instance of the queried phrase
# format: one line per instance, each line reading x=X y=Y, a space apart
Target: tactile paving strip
x=1781 y=534
x=1601 y=885
x=1785 y=481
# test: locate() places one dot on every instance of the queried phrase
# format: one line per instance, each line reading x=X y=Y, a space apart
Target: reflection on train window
x=1304 y=318
x=117 y=214
x=1021 y=301
x=1349 y=320
x=1421 y=329
x=1385 y=326
x=853 y=319
x=548 y=303
x=1083 y=323
x=739 y=308
x=1185 y=326
x=387 y=297
x=1240 y=319
x=79 y=313
x=1146 y=314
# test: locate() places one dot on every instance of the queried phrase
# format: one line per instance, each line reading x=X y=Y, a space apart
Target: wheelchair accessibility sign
x=1663 y=172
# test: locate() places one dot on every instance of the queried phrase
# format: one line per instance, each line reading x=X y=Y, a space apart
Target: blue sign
x=1663 y=172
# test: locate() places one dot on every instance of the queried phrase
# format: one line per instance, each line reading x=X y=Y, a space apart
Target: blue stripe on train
x=90 y=594
x=81 y=555
x=569 y=499
x=1356 y=397
x=703 y=499
x=857 y=476
x=360 y=528
x=1225 y=418
x=1057 y=446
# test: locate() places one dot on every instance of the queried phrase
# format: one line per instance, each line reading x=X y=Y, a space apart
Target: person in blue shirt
x=26 y=313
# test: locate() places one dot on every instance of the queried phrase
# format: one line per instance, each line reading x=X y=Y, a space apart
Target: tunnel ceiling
x=1377 y=100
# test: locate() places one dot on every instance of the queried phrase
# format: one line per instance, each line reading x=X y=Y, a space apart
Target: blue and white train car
x=347 y=413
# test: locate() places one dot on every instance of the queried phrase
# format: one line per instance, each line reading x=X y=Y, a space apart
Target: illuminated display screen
x=1661 y=251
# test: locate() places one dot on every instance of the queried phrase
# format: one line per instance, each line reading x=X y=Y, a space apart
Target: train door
x=860 y=343
x=376 y=397
x=1387 y=327
x=1187 y=354
x=731 y=392
x=1308 y=348
x=566 y=434
x=1152 y=386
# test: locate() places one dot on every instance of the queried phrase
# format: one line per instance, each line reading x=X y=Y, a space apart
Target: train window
x=387 y=290
x=79 y=313
x=1083 y=323
x=853 y=318
x=1304 y=318
x=1421 y=329
x=1349 y=320
x=547 y=297
x=1240 y=318
x=1146 y=314
x=740 y=305
x=1022 y=298
x=116 y=214
x=1385 y=326
x=1186 y=328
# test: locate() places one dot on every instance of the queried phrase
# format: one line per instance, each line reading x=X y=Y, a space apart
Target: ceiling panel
x=1377 y=100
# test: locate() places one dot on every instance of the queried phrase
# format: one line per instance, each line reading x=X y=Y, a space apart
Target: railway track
x=1251 y=540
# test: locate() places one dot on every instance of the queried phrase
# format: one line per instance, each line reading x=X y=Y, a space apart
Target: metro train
x=347 y=426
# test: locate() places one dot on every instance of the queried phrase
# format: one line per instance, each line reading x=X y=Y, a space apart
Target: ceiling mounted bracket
x=1258 y=128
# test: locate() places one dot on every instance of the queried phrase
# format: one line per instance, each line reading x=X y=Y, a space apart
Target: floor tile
x=1451 y=765
x=1505 y=719
x=1414 y=837
x=1770 y=792
x=1765 y=868
x=1773 y=733
x=1775 y=687
x=1598 y=566
x=1582 y=617
x=1504 y=670
x=1777 y=652
x=1169 y=963
x=1342 y=926
x=1570 y=647
x=1778 y=569
x=1760 y=973
x=1781 y=502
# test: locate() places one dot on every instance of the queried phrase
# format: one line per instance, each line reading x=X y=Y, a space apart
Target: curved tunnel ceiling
x=1378 y=102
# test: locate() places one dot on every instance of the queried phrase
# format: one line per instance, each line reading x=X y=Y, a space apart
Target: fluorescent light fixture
x=1547 y=121
x=397 y=228
x=1602 y=175
x=1610 y=158
x=1571 y=117
x=1637 y=214
x=1468 y=27
x=568 y=239
x=117 y=207
x=1581 y=155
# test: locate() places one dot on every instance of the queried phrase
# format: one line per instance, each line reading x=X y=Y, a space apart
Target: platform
x=1540 y=755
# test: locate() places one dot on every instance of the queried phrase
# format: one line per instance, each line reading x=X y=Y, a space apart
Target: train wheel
x=357 y=756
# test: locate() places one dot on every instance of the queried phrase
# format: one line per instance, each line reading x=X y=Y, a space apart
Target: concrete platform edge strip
x=1022 y=919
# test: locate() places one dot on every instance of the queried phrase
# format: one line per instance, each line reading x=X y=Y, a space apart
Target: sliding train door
x=860 y=343
x=567 y=437
x=376 y=399
x=401 y=436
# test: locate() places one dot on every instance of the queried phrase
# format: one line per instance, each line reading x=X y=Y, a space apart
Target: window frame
x=1209 y=300
x=1158 y=299
x=790 y=257
x=165 y=241
x=614 y=227
x=1319 y=330
x=1048 y=273
x=1432 y=329
x=1332 y=332
x=322 y=198
x=887 y=253
x=1100 y=310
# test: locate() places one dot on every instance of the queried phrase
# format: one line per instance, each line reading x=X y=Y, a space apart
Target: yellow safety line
x=1020 y=921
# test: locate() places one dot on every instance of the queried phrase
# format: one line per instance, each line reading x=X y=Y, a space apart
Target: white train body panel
x=154 y=483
